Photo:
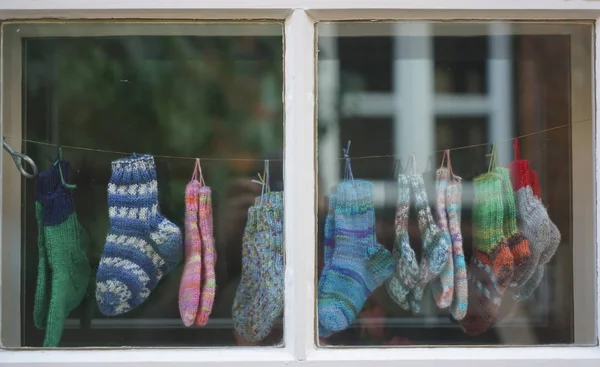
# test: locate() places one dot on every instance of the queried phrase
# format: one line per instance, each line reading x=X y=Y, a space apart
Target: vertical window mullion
x=299 y=178
x=10 y=249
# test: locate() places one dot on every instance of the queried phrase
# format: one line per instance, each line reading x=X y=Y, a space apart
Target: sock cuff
x=355 y=192
x=136 y=169
x=48 y=181
x=488 y=212
x=57 y=207
x=272 y=199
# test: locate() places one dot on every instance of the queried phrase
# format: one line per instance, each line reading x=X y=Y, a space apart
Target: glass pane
x=110 y=94
x=455 y=248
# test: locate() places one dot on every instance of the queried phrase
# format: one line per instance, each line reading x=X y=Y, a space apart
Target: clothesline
x=280 y=159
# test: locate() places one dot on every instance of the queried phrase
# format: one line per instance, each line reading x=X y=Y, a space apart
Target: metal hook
x=18 y=158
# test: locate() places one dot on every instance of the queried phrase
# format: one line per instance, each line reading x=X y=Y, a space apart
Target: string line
x=280 y=159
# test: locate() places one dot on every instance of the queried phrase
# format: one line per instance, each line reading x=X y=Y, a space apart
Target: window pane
x=173 y=91
x=412 y=255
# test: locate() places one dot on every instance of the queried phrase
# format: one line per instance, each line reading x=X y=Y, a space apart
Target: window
x=461 y=87
x=316 y=94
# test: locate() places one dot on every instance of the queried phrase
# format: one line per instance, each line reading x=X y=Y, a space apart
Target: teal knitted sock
x=405 y=276
x=328 y=248
x=435 y=245
x=264 y=287
x=359 y=264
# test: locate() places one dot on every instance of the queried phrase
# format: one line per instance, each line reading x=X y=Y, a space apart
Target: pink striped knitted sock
x=189 y=288
x=207 y=295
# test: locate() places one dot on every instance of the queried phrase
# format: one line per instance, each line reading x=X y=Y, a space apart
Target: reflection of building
x=420 y=99
x=398 y=88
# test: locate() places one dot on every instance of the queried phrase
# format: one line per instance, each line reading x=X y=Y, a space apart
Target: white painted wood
x=499 y=76
x=298 y=4
x=457 y=357
x=300 y=184
x=328 y=100
x=413 y=92
x=582 y=142
x=10 y=225
x=59 y=28
x=380 y=104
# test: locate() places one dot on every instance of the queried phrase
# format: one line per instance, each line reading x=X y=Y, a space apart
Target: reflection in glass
x=191 y=90
x=412 y=88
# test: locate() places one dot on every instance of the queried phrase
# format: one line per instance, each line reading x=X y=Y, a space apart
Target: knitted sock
x=518 y=244
x=405 y=277
x=328 y=248
x=453 y=208
x=527 y=289
x=359 y=263
x=141 y=246
x=328 y=241
x=492 y=265
x=47 y=182
x=66 y=243
x=189 y=288
x=443 y=286
x=207 y=296
x=265 y=305
x=435 y=246
x=250 y=274
x=543 y=235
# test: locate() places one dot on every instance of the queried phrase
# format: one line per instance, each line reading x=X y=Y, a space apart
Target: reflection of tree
x=177 y=96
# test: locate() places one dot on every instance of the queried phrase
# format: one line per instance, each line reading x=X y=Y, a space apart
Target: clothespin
x=348 y=170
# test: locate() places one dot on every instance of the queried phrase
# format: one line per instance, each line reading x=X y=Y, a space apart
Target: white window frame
x=300 y=174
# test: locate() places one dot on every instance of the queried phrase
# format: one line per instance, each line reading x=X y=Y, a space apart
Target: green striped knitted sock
x=65 y=244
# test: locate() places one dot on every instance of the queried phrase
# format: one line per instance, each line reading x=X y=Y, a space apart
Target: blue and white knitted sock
x=141 y=246
x=359 y=264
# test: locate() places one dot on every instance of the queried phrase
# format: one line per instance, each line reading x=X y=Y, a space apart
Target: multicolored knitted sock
x=492 y=265
x=250 y=273
x=435 y=245
x=265 y=304
x=66 y=245
x=142 y=245
x=405 y=277
x=443 y=286
x=328 y=248
x=189 y=288
x=205 y=221
x=543 y=235
x=527 y=289
x=458 y=308
x=359 y=263
x=518 y=244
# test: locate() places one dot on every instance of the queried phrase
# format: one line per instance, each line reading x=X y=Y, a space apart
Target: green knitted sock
x=40 y=306
x=65 y=244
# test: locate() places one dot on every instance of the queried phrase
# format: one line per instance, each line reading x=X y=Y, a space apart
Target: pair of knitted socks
x=63 y=268
x=543 y=235
x=451 y=288
x=258 y=302
x=355 y=264
x=142 y=246
x=501 y=254
x=197 y=287
x=407 y=284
